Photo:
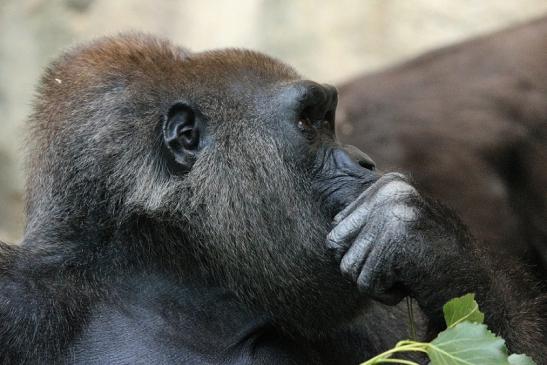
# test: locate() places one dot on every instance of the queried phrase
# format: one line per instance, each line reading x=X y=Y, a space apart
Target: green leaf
x=520 y=360
x=462 y=309
x=467 y=344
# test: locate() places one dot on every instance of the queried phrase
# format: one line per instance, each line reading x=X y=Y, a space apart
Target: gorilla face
x=264 y=178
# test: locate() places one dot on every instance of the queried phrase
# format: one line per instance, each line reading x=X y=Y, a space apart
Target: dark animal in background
x=469 y=122
x=195 y=208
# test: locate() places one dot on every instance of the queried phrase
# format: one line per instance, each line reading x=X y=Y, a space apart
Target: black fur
x=128 y=259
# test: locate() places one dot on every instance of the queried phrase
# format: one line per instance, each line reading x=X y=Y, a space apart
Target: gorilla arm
x=394 y=242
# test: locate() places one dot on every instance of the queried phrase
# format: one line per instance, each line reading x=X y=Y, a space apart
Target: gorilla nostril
x=360 y=157
x=367 y=165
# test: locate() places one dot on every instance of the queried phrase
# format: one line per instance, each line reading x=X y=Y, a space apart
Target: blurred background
x=330 y=41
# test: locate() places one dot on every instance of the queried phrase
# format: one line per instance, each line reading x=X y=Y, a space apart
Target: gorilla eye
x=307 y=128
x=181 y=134
x=304 y=123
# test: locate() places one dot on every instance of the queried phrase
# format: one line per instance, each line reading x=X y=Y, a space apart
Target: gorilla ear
x=181 y=134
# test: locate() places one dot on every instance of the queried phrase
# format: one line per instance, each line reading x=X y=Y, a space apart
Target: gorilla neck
x=288 y=256
x=103 y=245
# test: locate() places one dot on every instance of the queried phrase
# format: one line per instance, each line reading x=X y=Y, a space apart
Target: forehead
x=236 y=73
x=231 y=81
x=240 y=64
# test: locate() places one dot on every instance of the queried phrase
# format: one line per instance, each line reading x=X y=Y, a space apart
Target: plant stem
x=408 y=346
x=397 y=361
x=406 y=342
x=411 y=322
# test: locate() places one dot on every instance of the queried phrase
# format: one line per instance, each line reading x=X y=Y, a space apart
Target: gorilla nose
x=360 y=157
x=350 y=158
x=316 y=101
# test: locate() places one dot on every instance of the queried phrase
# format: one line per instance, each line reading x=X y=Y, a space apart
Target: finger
x=355 y=257
x=370 y=195
x=377 y=275
x=344 y=233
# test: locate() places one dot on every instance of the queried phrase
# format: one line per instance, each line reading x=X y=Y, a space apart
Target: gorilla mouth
x=341 y=179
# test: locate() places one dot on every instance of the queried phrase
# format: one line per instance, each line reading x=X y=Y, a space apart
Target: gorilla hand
x=392 y=242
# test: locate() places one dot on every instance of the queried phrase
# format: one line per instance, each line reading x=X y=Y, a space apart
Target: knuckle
x=396 y=191
x=368 y=237
x=400 y=188
x=395 y=176
x=333 y=240
x=404 y=213
x=331 y=244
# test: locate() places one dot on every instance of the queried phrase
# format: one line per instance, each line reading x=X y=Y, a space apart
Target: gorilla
x=469 y=122
x=196 y=208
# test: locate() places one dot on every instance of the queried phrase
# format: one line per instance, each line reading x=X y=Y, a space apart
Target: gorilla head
x=221 y=164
